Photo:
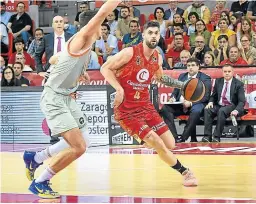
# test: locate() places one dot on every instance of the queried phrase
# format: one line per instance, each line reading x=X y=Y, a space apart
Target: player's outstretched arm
x=165 y=79
x=91 y=32
x=115 y=63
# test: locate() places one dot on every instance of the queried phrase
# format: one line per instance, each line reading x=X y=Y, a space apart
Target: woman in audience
x=209 y=59
x=247 y=30
x=178 y=19
x=248 y=52
x=200 y=30
x=225 y=15
x=224 y=30
x=164 y=24
x=8 y=78
x=193 y=18
x=221 y=52
x=216 y=13
x=184 y=56
x=236 y=25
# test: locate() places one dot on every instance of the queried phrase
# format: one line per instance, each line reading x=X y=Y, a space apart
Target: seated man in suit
x=228 y=98
x=52 y=43
x=194 y=110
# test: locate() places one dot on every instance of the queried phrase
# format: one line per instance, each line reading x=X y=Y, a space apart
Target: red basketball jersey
x=135 y=78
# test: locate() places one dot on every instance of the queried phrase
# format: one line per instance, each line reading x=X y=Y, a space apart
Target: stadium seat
x=142 y=20
x=151 y=17
x=120 y=45
x=100 y=60
x=210 y=27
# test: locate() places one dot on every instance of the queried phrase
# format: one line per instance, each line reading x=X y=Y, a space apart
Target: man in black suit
x=228 y=98
x=51 y=44
x=194 y=110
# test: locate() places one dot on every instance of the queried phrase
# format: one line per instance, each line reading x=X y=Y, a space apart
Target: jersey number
x=137 y=95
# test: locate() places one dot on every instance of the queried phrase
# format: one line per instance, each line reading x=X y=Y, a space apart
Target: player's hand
x=119 y=97
x=209 y=105
x=234 y=113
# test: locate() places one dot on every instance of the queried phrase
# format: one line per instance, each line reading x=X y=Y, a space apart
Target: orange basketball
x=194 y=90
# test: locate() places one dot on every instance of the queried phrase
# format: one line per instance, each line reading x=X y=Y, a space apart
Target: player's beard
x=150 y=45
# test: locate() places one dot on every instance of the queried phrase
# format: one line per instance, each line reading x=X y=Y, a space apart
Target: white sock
x=58 y=147
x=47 y=174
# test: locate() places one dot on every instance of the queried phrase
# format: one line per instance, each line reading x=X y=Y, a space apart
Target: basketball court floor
x=128 y=174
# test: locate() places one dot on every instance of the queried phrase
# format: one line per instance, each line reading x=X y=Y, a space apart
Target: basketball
x=193 y=90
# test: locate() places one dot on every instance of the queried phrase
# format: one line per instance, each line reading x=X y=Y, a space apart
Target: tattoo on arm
x=168 y=81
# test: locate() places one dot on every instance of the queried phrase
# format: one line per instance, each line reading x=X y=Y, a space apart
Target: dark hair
x=3 y=3
x=19 y=64
x=21 y=3
x=222 y=36
x=227 y=14
x=84 y=3
x=178 y=34
x=151 y=24
x=193 y=14
x=39 y=29
x=200 y=20
x=116 y=12
x=227 y=65
x=178 y=25
x=158 y=8
x=183 y=21
x=106 y=25
x=134 y=21
x=194 y=60
x=19 y=40
x=125 y=7
x=4 y=82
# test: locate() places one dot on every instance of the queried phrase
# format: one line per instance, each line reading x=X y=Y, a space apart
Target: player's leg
x=168 y=157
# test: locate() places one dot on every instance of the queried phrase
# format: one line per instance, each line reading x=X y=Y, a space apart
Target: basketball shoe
x=189 y=179
x=31 y=164
x=43 y=190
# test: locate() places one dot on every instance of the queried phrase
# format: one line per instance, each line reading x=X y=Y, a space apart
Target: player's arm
x=115 y=63
x=165 y=79
x=91 y=32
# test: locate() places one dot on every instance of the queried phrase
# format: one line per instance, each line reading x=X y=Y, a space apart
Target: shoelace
x=188 y=175
x=49 y=188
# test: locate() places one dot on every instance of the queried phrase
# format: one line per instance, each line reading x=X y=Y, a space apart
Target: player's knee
x=80 y=149
x=156 y=142
x=171 y=145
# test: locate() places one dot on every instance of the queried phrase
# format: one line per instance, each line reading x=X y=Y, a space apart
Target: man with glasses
x=20 y=24
x=84 y=7
x=200 y=49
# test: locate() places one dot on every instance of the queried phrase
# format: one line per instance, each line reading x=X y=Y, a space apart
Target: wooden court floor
x=129 y=173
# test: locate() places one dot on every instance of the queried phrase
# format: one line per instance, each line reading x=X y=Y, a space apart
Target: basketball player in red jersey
x=130 y=72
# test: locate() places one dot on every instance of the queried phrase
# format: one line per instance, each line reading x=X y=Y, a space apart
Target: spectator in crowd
x=112 y=21
x=123 y=23
x=234 y=57
x=200 y=31
x=202 y=11
x=84 y=7
x=20 y=23
x=224 y=15
x=107 y=45
x=248 y=52
x=227 y=98
x=94 y=61
x=21 y=58
x=194 y=110
x=134 y=13
x=18 y=68
x=39 y=34
x=19 y=46
x=200 y=49
x=251 y=11
x=8 y=78
x=216 y=13
x=184 y=56
x=239 y=7
x=193 y=18
x=177 y=28
x=247 y=30
x=209 y=59
x=69 y=28
x=173 y=9
x=221 y=52
x=133 y=38
x=235 y=25
x=4 y=38
x=173 y=55
x=2 y=64
x=224 y=30
x=164 y=24
x=178 y=20
x=51 y=44
x=5 y=15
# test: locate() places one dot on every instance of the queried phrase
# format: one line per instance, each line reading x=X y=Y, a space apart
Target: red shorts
x=140 y=123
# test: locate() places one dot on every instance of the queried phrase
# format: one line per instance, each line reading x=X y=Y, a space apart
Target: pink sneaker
x=189 y=179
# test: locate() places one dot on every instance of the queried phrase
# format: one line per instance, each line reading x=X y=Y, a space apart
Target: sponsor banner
x=12 y=4
x=23 y=122
x=99 y=3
